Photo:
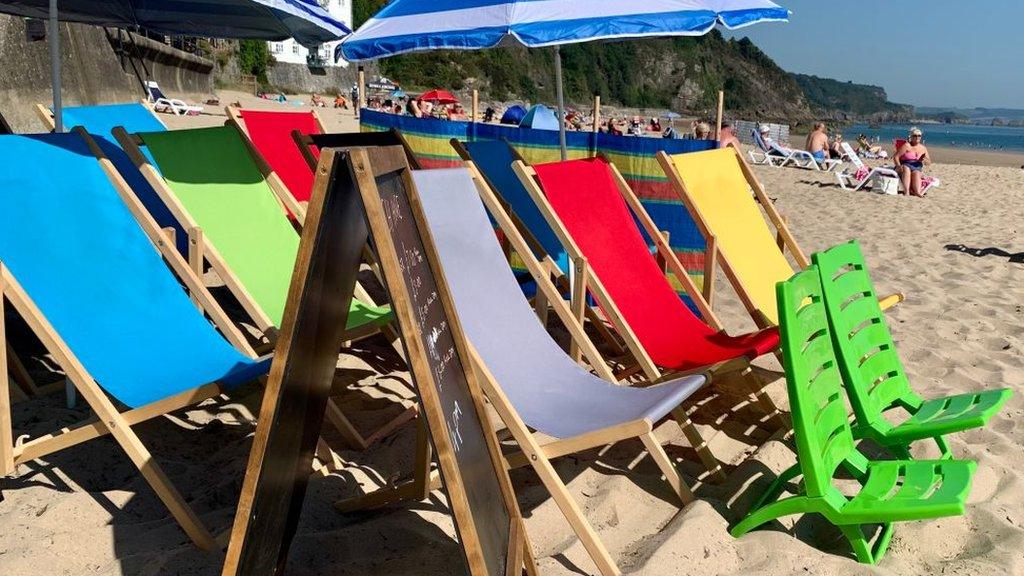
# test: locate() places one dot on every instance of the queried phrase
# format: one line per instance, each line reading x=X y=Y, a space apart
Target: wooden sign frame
x=301 y=377
x=392 y=160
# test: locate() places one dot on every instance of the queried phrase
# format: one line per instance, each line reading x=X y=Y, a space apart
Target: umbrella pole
x=55 y=76
x=561 y=102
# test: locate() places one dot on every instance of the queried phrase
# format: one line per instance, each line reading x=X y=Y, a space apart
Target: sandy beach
x=957 y=255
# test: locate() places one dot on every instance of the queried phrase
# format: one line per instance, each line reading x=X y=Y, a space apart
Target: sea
x=997 y=138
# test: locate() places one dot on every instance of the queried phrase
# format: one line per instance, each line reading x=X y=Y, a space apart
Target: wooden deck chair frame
x=586 y=280
x=784 y=237
x=202 y=251
x=560 y=279
x=109 y=420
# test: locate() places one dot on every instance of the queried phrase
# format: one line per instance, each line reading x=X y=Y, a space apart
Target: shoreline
x=973 y=157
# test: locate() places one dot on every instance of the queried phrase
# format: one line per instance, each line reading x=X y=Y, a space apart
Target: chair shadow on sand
x=1017 y=258
x=204 y=450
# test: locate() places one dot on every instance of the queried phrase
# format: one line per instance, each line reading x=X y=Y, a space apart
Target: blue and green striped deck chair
x=79 y=262
x=891 y=490
x=875 y=380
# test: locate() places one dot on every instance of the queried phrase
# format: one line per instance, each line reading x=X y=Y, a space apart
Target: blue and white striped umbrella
x=303 y=20
x=415 y=25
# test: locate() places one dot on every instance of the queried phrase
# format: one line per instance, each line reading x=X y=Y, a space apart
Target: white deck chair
x=531 y=382
x=162 y=103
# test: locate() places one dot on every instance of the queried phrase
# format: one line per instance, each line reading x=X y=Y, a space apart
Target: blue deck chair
x=78 y=261
x=100 y=121
x=494 y=158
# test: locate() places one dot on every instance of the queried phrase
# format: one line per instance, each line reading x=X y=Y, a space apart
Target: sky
x=926 y=53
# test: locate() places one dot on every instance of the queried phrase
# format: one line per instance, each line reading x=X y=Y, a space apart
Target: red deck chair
x=271 y=133
x=588 y=199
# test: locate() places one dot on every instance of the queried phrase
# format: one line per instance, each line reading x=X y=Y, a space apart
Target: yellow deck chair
x=716 y=188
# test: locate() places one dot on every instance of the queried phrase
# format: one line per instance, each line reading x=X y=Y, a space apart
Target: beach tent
x=303 y=20
x=513 y=115
x=413 y=25
x=540 y=117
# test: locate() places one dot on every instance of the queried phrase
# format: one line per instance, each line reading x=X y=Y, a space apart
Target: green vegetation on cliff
x=856 y=100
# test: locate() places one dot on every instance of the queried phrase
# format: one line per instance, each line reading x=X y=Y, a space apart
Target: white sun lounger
x=161 y=103
x=862 y=175
x=776 y=155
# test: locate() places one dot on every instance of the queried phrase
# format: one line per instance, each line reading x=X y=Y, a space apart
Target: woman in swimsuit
x=911 y=159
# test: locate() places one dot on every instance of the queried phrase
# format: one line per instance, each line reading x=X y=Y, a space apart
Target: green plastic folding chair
x=233 y=208
x=875 y=380
x=891 y=490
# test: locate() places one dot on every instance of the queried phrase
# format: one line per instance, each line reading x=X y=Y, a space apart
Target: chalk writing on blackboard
x=446 y=372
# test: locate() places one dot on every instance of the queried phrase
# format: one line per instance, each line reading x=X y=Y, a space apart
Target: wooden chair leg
x=693 y=436
x=668 y=468
x=344 y=426
x=588 y=537
x=19 y=374
x=328 y=459
x=757 y=382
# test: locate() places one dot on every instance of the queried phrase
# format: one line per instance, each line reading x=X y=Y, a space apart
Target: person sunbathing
x=868 y=150
x=911 y=159
x=817 y=142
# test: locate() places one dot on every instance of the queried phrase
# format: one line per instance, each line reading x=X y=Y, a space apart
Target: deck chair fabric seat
x=584 y=196
x=100 y=121
x=891 y=490
x=494 y=159
x=718 y=189
x=271 y=134
x=108 y=294
x=223 y=190
x=874 y=376
x=553 y=394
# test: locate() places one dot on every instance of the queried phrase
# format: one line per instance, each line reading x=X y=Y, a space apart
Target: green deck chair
x=891 y=490
x=212 y=182
x=228 y=202
x=871 y=368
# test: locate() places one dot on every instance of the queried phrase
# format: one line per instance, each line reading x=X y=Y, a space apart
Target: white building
x=293 y=52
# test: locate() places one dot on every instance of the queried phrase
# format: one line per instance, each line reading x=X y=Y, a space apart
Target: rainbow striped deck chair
x=716 y=187
x=83 y=263
x=100 y=121
x=231 y=206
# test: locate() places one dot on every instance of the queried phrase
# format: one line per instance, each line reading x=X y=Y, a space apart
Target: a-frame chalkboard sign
x=479 y=490
x=351 y=184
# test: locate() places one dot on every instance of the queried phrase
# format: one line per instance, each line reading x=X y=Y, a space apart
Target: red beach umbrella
x=439 y=97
